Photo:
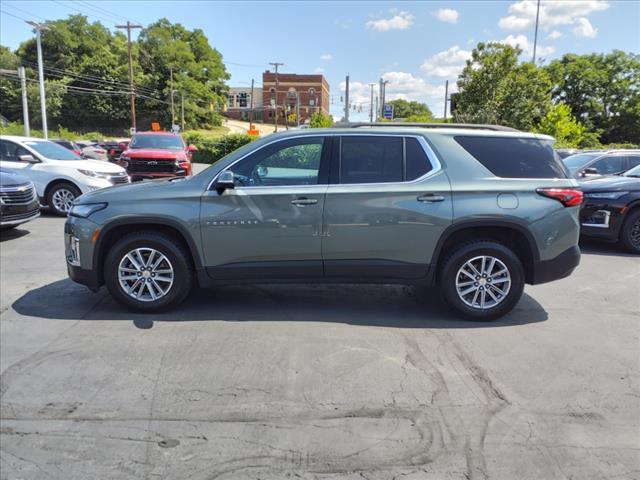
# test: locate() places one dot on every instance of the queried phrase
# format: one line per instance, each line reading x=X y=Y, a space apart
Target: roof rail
x=470 y=126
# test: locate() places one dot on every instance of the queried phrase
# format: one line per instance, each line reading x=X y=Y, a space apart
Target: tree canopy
x=87 y=82
x=411 y=109
x=596 y=94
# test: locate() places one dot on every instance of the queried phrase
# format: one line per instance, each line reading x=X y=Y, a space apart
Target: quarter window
x=289 y=162
x=417 y=163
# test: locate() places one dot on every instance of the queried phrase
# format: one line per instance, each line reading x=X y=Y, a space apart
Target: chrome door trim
x=431 y=156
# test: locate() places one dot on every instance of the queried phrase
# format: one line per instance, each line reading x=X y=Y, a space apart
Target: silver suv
x=476 y=210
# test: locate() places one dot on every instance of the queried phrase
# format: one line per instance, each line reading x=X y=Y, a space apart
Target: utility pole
x=275 y=106
x=251 y=117
x=535 y=38
x=173 y=115
x=297 y=109
x=37 y=27
x=346 y=100
x=182 y=110
x=129 y=26
x=25 y=106
x=446 y=97
x=376 y=106
x=371 y=104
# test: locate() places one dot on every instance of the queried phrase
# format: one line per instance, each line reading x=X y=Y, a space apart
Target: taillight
x=569 y=197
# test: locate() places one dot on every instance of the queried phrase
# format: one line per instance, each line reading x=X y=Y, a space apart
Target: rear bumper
x=559 y=267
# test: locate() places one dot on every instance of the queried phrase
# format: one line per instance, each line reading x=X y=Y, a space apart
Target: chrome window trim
x=436 y=166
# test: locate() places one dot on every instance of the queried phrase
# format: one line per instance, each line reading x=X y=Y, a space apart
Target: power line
x=14 y=16
x=83 y=12
x=23 y=11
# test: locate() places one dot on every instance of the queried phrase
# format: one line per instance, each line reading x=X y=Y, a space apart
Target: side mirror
x=226 y=180
x=262 y=171
x=590 y=171
x=123 y=146
x=192 y=148
x=28 y=159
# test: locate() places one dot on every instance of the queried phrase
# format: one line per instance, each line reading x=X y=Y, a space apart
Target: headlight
x=86 y=209
x=91 y=173
x=607 y=195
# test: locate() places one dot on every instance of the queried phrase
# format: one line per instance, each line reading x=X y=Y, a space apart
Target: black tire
x=465 y=252
x=62 y=188
x=177 y=255
x=630 y=232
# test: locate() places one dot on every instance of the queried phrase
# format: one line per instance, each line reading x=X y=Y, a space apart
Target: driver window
x=609 y=165
x=290 y=162
x=11 y=152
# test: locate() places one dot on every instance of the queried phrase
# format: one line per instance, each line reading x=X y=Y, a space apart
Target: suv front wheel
x=482 y=280
x=148 y=271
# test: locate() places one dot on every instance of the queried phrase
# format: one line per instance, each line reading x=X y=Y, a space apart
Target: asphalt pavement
x=292 y=381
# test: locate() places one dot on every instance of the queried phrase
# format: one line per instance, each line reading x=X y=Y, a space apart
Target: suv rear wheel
x=482 y=280
x=630 y=234
x=148 y=271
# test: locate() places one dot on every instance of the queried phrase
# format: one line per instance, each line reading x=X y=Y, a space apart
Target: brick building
x=308 y=93
x=239 y=103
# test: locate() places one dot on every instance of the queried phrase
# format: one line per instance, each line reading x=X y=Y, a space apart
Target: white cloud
x=447 y=15
x=446 y=64
x=326 y=56
x=319 y=70
x=522 y=15
x=527 y=47
x=584 y=28
x=554 y=35
x=400 y=21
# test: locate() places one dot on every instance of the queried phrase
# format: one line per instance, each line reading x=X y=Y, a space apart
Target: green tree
x=563 y=126
x=10 y=101
x=320 y=120
x=603 y=92
x=411 y=109
x=495 y=88
x=199 y=75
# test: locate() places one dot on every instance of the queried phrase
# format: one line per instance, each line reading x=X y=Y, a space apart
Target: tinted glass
x=609 y=165
x=634 y=172
x=417 y=161
x=169 y=142
x=514 y=157
x=52 y=150
x=369 y=159
x=574 y=162
x=11 y=151
x=290 y=162
x=633 y=161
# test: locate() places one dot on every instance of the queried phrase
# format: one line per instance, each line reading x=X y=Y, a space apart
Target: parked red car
x=157 y=155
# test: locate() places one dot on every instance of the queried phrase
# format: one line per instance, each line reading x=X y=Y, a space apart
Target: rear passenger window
x=634 y=161
x=417 y=162
x=370 y=159
x=514 y=157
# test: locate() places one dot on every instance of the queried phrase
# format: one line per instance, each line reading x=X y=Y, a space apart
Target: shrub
x=210 y=150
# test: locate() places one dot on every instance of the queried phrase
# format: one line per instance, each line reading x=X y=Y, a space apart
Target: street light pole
x=535 y=38
x=173 y=115
x=182 y=109
x=25 y=106
x=43 y=101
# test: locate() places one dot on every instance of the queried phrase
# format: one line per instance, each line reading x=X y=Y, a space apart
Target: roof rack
x=469 y=126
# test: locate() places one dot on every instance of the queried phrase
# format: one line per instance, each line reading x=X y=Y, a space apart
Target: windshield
x=634 y=172
x=574 y=162
x=169 y=142
x=52 y=150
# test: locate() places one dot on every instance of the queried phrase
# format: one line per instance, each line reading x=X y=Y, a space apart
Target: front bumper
x=559 y=267
x=12 y=215
x=79 y=250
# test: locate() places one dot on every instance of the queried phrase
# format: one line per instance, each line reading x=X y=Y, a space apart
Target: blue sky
x=414 y=45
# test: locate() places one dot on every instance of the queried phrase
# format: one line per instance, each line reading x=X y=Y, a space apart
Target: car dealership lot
x=315 y=381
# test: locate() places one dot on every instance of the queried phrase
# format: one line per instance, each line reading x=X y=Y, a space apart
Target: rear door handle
x=303 y=202
x=430 y=197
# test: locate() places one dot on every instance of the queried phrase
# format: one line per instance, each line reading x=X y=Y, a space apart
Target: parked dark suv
x=478 y=211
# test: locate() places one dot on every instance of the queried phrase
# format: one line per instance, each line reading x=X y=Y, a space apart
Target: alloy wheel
x=634 y=235
x=145 y=274
x=483 y=282
x=63 y=199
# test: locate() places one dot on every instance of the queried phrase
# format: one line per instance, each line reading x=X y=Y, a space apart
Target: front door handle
x=430 y=197
x=303 y=201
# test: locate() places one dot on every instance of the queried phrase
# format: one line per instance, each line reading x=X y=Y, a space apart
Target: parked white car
x=59 y=175
x=92 y=150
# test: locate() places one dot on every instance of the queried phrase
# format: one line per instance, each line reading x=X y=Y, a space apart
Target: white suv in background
x=59 y=175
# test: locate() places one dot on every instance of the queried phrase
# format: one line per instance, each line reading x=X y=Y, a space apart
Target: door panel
x=269 y=225
x=383 y=229
x=263 y=231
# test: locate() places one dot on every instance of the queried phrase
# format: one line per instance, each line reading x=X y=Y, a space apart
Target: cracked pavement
x=330 y=382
